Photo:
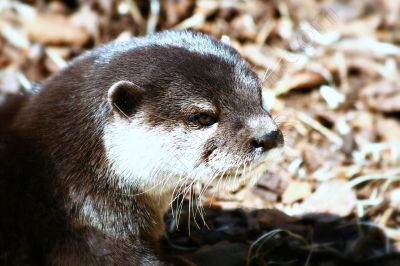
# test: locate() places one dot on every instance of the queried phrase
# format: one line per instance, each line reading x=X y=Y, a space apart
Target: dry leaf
x=333 y=197
x=296 y=190
x=383 y=96
x=56 y=30
x=302 y=80
x=256 y=56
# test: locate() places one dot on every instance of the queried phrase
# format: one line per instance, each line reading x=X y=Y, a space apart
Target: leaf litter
x=330 y=72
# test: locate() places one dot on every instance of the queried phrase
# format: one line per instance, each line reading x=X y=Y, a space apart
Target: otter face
x=187 y=114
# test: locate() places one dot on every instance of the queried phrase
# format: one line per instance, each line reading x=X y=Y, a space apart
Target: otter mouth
x=252 y=169
x=236 y=172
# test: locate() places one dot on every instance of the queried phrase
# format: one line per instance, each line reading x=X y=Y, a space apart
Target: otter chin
x=102 y=145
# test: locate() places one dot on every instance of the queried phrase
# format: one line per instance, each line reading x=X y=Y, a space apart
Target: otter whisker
x=244 y=169
x=249 y=170
x=193 y=201
x=177 y=188
x=181 y=193
x=236 y=173
x=191 y=208
x=143 y=192
x=190 y=201
x=164 y=184
x=207 y=185
x=122 y=112
x=220 y=178
x=180 y=207
x=200 y=207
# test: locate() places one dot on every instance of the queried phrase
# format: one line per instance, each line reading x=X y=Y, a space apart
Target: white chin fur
x=146 y=156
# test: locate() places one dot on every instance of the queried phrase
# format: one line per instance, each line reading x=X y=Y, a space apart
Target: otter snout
x=268 y=141
x=264 y=134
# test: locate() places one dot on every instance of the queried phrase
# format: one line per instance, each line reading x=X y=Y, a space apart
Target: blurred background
x=330 y=72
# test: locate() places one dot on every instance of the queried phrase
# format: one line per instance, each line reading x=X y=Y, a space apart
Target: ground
x=330 y=72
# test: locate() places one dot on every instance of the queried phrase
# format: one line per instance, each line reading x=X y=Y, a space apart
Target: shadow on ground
x=270 y=237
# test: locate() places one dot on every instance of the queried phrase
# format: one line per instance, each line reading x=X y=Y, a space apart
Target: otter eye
x=204 y=120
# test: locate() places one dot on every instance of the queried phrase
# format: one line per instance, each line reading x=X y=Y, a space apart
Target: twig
x=391 y=174
x=333 y=137
x=135 y=12
x=154 y=16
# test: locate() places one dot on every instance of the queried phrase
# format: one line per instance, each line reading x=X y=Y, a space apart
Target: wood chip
x=56 y=30
x=296 y=191
x=333 y=197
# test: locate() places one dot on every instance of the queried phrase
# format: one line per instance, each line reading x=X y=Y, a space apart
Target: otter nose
x=268 y=141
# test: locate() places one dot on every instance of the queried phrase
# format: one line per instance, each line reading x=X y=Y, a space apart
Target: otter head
x=185 y=107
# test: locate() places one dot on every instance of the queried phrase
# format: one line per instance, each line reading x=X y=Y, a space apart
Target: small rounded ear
x=125 y=97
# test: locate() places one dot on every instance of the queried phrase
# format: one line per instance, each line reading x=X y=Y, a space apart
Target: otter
x=91 y=160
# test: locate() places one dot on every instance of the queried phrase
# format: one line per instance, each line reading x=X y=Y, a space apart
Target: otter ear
x=125 y=97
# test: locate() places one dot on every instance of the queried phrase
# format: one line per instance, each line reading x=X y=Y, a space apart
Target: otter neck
x=123 y=211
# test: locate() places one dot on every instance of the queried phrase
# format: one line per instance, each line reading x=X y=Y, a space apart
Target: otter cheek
x=191 y=161
x=152 y=155
x=130 y=148
x=138 y=153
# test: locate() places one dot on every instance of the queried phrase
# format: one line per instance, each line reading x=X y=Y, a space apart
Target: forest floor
x=330 y=72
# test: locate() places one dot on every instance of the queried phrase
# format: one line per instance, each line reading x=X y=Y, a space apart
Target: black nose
x=268 y=141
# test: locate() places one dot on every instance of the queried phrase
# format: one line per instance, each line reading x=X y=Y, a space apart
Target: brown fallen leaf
x=386 y=104
x=250 y=199
x=176 y=10
x=382 y=96
x=297 y=190
x=243 y=28
x=270 y=182
x=389 y=130
x=333 y=197
x=56 y=30
x=86 y=18
x=300 y=80
x=259 y=57
x=265 y=194
x=395 y=198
